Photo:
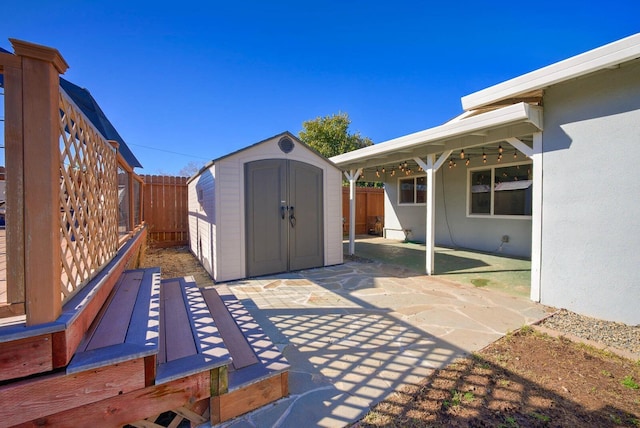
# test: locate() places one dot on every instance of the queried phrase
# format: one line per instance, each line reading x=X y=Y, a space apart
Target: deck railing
x=70 y=196
x=88 y=198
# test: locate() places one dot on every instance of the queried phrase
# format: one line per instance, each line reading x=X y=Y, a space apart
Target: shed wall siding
x=590 y=195
x=226 y=233
x=202 y=219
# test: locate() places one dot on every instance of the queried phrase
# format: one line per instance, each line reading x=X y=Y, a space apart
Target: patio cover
x=466 y=131
x=512 y=124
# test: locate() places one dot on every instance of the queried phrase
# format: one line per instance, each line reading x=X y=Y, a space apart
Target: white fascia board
x=610 y=55
x=515 y=113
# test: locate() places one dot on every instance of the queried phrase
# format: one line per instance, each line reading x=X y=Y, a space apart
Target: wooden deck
x=154 y=347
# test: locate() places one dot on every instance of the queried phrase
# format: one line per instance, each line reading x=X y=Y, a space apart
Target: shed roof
x=277 y=136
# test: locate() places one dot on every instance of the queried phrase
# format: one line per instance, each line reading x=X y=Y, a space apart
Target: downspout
x=352 y=176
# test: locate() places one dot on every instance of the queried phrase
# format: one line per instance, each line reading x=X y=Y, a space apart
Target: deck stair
x=158 y=349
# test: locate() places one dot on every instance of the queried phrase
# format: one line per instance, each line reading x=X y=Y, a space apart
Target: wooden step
x=254 y=356
x=259 y=373
x=189 y=338
x=127 y=327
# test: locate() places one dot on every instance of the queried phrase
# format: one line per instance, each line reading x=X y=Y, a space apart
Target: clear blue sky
x=192 y=81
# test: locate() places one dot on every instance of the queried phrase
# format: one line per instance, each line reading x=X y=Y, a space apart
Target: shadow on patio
x=356 y=332
x=507 y=274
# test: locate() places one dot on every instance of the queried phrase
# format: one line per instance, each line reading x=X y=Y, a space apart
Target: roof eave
x=513 y=114
x=606 y=56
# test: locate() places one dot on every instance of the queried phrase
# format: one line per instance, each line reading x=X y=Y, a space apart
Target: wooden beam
x=39 y=397
x=24 y=357
x=131 y=406
x=244 y=400
x=14 y=158
x=41 y=67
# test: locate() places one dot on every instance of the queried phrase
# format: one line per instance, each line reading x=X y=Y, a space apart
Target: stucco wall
x=453 y=227
x=591 y=195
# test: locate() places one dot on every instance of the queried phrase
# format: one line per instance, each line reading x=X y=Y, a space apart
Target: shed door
x=284 y=215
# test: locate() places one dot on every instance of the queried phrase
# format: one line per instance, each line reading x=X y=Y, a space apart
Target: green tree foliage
x=330 y=135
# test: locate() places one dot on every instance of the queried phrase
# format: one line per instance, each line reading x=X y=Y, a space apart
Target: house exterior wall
x=591 y=231
x=227 y=225
x=453 y=227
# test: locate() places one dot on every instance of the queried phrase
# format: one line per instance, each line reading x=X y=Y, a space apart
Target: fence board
x=165 y=210
x=369 y=206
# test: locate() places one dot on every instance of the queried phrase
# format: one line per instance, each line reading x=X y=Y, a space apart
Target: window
x=503 y=191
x=412 y=190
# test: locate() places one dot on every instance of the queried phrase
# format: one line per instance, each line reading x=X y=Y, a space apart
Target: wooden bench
x=127 y=326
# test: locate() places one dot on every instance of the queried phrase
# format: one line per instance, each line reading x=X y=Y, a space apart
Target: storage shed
x=271 y=207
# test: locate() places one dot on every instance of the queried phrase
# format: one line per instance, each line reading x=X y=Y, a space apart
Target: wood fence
x=166 y=210
x=369 y=210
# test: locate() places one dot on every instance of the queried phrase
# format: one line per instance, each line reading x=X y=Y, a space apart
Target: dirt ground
x=526 y=379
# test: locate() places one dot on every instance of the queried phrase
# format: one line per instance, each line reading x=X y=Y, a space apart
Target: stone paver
x=354 y=333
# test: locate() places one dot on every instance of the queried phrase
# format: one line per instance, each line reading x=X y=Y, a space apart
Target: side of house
x=591 y=209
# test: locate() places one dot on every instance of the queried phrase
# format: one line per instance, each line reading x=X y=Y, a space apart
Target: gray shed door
x=284 y=215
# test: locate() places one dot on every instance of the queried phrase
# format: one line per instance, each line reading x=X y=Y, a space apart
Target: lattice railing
x=88 y=199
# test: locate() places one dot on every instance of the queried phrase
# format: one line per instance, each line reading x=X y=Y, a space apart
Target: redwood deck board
x=127 y=327
x=179 y=339
x=239 y=348
x=191 y=343
x=113 y=326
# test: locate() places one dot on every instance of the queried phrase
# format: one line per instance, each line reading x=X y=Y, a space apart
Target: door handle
x=292 y=217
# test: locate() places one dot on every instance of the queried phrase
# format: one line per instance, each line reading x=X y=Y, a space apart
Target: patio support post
x=41 y=69
x=352 y=176
x=536 y=219
x=431 y=167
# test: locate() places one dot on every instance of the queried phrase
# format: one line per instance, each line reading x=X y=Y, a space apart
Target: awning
x=513 y=121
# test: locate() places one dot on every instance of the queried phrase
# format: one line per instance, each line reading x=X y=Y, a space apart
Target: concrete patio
x=356 y=332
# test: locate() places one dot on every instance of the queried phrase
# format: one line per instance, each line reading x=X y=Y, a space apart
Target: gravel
x=613 y=334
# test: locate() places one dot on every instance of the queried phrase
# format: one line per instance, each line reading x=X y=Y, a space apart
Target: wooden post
x=41 y=67
x=12 y=70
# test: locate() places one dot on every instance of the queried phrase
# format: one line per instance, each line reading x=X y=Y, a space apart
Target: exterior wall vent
x=285 y=144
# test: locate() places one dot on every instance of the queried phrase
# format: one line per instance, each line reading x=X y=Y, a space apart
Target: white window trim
x=415 y=190
x=493 y=168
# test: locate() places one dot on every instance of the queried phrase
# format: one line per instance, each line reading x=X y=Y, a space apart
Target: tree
x=190 y=169
x=330 y=135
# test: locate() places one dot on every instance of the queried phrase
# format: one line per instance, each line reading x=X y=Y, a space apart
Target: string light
x=383 y=170
x=484 y=156
x=515 y=154
x=377 y=173
x=467 y=162
x=462 y=154
x=500 y=149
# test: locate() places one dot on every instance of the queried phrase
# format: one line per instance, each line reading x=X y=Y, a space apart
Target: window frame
x=415 y=190
x=491 y=214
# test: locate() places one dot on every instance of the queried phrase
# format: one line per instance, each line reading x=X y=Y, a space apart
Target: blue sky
x=192 y=81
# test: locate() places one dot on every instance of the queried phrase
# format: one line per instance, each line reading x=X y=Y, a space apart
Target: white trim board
x=610 y=55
